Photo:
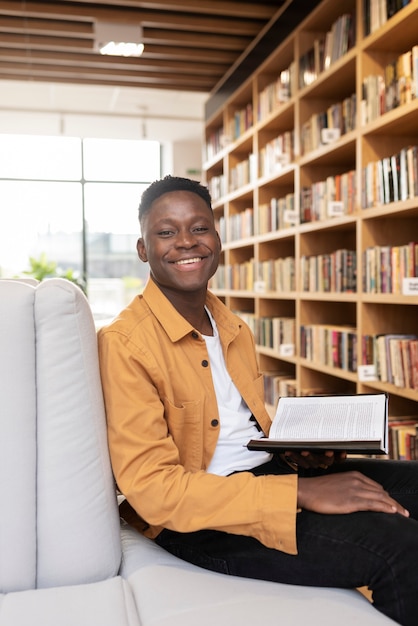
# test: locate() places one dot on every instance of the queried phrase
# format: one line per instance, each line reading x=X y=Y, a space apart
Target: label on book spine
x=282 y=160
x=287 y=349
x=410 y=286
x=259 y=286
x=335 y=208
x=291 y=217
x=366 y=373
x=329 y=135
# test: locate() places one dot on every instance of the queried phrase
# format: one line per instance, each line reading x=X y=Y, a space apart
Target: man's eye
x=201 y=229
x=165 y=233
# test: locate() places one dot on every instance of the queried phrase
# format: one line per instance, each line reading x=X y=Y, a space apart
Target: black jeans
x=371 y=549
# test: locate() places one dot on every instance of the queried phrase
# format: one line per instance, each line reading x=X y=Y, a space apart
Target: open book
x=357 y=424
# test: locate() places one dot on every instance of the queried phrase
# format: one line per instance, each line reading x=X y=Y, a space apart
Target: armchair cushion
x=77 y=520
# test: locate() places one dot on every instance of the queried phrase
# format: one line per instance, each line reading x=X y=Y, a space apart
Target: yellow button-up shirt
x=163 y=424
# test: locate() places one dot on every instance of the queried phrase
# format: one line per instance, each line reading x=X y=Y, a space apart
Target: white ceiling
x=165 y=115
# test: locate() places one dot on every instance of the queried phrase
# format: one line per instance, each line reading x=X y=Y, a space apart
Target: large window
x=70 y=206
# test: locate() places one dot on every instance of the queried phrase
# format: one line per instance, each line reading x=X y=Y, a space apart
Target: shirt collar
x=175 y=325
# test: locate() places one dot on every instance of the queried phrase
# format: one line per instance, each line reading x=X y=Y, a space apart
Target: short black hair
x=167 y=184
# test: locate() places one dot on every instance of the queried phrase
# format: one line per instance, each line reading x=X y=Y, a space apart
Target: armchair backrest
x=59 y=521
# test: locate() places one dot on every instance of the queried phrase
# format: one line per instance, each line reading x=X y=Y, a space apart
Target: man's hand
x=345 y=492
x=308 y=459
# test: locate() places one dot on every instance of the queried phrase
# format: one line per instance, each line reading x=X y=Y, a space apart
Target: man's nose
x=186 y=239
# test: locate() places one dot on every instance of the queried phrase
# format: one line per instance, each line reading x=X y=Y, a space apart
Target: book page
x=343 y=418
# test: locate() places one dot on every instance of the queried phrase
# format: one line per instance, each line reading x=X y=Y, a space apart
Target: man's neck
x=191 y=306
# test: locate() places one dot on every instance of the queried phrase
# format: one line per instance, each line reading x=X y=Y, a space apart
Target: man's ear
x=140 y=248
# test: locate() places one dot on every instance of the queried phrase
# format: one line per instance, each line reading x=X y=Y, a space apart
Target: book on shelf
x=413 y=348
x=389 y=358
x=393 y=178
x=332 y=346
x=288 y=388
x=357 y=424
x=414 y=62
x=275 y=386
x=377 y=12
x=394 y=358
x=403 y=438
x=394 y=86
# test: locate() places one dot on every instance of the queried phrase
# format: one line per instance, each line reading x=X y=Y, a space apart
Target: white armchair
x=60 y=550
x=65 y=559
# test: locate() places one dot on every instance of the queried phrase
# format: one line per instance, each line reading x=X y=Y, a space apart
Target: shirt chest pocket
x=185 y=424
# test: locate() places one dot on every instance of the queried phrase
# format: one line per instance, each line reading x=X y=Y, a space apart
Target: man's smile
x=188 y=261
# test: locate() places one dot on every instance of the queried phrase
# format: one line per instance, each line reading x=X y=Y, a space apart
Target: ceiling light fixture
x=118 y=39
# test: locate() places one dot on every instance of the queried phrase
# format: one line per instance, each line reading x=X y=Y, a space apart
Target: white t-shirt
x=231 y=453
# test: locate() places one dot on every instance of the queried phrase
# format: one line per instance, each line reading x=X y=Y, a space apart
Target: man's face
x=180 y=242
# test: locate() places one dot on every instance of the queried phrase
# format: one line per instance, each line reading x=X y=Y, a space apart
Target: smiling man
x=184 y=395
x=182 y=248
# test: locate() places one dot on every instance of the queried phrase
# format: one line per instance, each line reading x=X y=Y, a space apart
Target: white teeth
x=186 y=261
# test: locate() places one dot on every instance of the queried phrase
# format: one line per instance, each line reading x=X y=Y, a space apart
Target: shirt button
x=205 y=363
x=214 y=423
x=195 y=335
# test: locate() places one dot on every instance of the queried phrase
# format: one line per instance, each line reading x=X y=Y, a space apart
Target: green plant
x=41 y=268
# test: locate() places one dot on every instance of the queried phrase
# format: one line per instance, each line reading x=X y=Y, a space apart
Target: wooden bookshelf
x=309 y=179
